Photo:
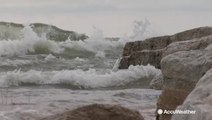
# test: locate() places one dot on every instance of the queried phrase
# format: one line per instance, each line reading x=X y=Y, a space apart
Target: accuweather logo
x=172 y=112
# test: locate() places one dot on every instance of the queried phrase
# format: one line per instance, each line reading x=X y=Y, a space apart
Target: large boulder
x=181 y=71
x=151 y=50
x=199 y=100
x=184 y=68
x=11 y=31
x=195 y=44
x=98 y=112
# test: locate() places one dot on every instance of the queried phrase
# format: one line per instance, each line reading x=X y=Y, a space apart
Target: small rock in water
x=157 y=82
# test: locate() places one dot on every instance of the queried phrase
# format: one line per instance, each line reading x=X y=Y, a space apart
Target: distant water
x=39 y=74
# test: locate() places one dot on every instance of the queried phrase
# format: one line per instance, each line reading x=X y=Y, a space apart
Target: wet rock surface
x=98 y=112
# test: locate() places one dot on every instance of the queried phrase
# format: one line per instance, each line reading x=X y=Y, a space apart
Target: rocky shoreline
x=184 y=59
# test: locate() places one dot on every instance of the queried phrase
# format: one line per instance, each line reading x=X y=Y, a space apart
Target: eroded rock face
x=151 y=50
x=98 y=112
x=12 y=31
x=181 y=71
x=143 y=57
x=200 y=100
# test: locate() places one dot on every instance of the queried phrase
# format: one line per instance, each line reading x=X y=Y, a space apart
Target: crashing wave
x=12 y=31
x=35 y=39
x=79 y=78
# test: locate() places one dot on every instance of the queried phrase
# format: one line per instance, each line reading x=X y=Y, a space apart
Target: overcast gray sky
x=114 y=17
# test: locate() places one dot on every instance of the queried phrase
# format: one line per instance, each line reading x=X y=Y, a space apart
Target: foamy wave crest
x=30 y=43
x=9 y=62
x=96 y=44
x=78 y=78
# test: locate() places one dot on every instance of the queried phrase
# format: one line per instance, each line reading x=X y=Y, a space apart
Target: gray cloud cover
x=82 y=14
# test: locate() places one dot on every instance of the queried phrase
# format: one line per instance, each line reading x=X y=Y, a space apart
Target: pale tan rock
x=195 y=44
x=181 y=71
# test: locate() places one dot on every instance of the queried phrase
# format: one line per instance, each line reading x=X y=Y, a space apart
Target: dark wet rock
x=151 y=50
x=98 y=112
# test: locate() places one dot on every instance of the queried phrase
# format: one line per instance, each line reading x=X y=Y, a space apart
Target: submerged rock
x=151 y=50
x=11 y=31
x=199 y=100
x=98 y=112
x=157 y=82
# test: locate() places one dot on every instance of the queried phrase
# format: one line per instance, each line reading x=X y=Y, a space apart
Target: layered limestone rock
x=199 y=100
x=98 y=112
x=151 y=50
x=181 y=71
x=143 y=57
x=11 y=31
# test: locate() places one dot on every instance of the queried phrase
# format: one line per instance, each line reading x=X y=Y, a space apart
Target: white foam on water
x=29 y=43
x=87 y=79
x=78 y=59
x=9 y=62
x=116 y=65
x=96 y=43
x=50 y=57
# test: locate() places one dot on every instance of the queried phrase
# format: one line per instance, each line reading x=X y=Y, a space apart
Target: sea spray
x=96 y=44
x=29 y=43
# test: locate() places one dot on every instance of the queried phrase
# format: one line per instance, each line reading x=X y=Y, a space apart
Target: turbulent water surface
x=40 y=77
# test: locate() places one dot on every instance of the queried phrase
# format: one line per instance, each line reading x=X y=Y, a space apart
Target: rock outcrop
x=98 y=112
x=183 y=58
x=150 y=51
x=199 y=100
x=13 y=31
x=181 y=71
